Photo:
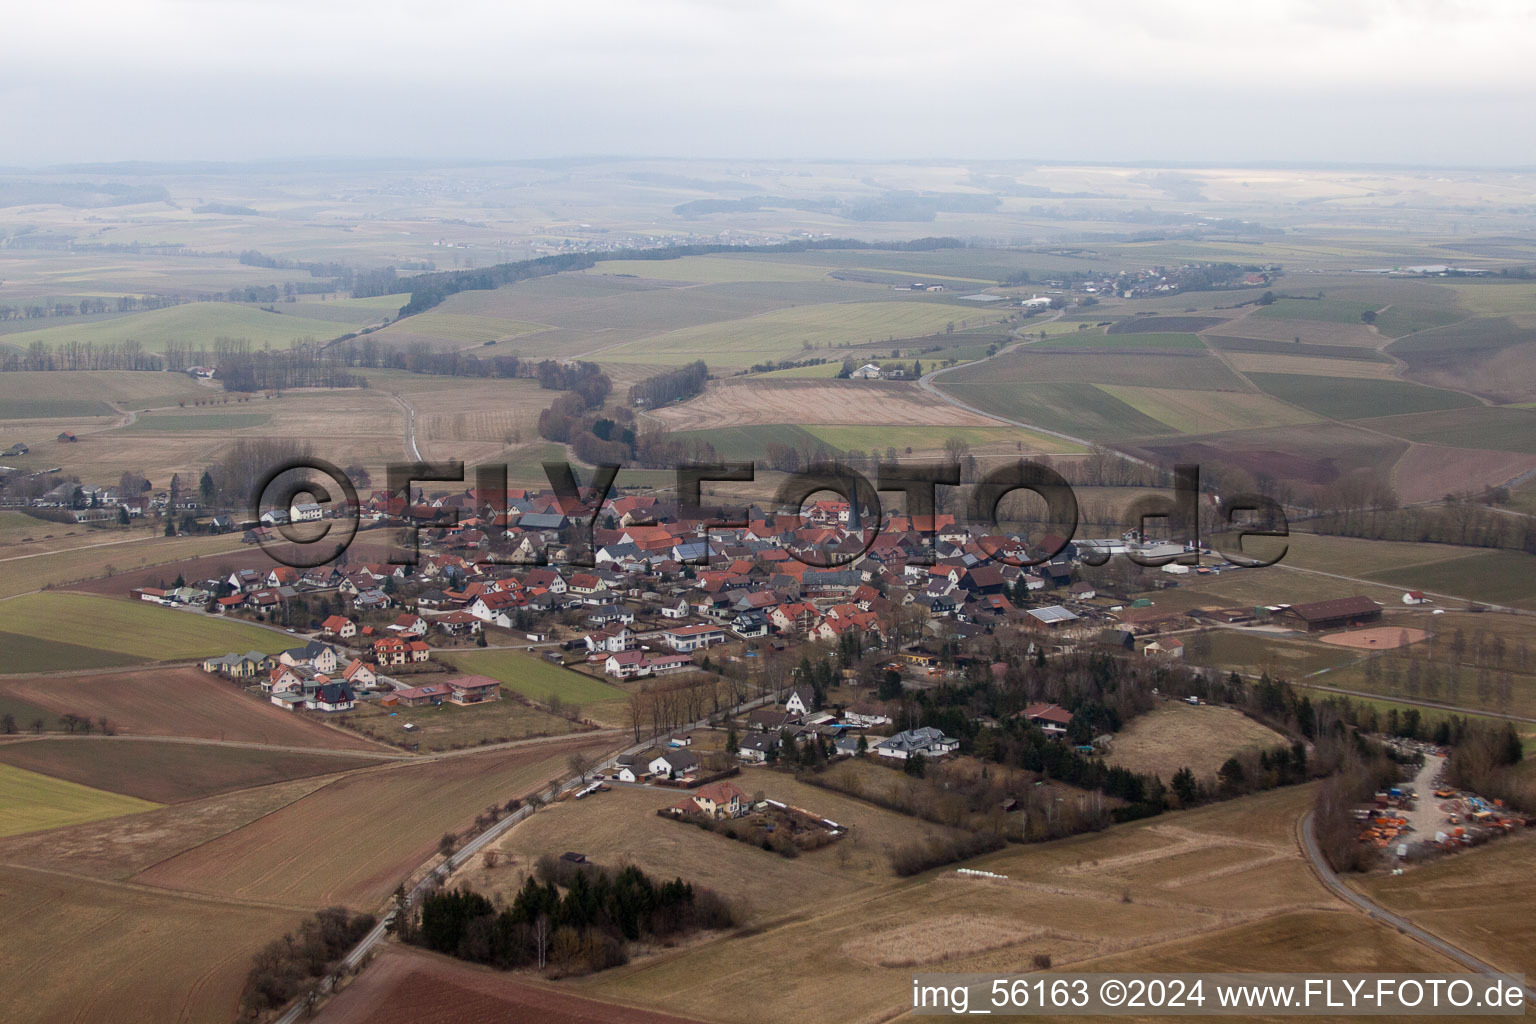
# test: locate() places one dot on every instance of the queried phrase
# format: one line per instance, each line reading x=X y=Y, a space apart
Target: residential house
x=333 y=697
x=801 y=701
x=684 y=639
x=1050 y=718
x=673 y=763
x=465 y=690
x=926 y=740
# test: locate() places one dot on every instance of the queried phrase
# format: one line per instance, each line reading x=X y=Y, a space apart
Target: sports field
x=30 y=802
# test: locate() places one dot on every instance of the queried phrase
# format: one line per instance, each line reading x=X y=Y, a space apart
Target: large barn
x=1339 y=613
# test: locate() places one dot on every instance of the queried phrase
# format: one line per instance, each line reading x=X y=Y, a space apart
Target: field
x=1338 y=311
x=1076 y=408
x=166 y=772
x=152 y=956
x=409 y=986
x=536 y=678
x=94 y=553
x=449 y=727
x=354 y=840
x=1311 y=366
x=1135 y=341
x=30 y=802
x=201 y=421
x=193 y=324
x=781 y=334
x=1133 y=893
x=184 y=702
x=1500 y=428
x=1175 y=735
x=1495 y=577
x=1207 y=412
x=1170 y=368
x=622 y=826
x=26 y=394
x=814 y=402
x=709 y=269
x=130 y=628
x=1478 y=899
x=1354 y=398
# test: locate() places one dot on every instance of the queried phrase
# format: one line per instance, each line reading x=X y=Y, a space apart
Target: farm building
x=1053 y=616
x=1339 y=613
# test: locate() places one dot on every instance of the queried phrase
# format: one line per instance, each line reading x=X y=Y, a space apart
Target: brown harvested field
x=1381 y=638
x=185 y=702
x=122 y=847
x=1065 y=899
x=343 y=425
x=1481 y=900
x=1175 y=735
x=1264 y=362
x=815 y=402
x=168 y=772
x=1312 y=453
x=1427 y=472
x=79 y=951
x=357 y=838
x=411 y=986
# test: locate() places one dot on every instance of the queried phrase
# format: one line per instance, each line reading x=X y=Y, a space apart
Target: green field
x=1334 y=311
x=53 y=408
x=1207 y=412
x=37 y=654
x=1499 y=428
x=1357 y=398
x=30 y=802
x=536 y=678
x=1076 y=408
x=782 y=333
x=463 y=327
x=36 y=390
x=196 y=324
x=1122 y=342
x=131 y=629
x=1496 y=577
x=201 y=421
x=709 y=269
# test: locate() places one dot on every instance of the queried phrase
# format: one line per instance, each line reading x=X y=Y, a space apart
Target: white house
x=800 y=701
x=869 y=371
x=673 y=762
x=626 y=665
x=684 y=639
x=305 y=512
x=927 y=741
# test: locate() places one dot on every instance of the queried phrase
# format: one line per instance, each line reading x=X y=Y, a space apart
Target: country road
x=1325 y=874
x=442 y=871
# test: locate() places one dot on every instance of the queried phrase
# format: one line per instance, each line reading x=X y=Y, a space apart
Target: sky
x=1438 y=82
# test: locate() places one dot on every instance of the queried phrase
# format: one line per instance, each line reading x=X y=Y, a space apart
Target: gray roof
x=1053 y=614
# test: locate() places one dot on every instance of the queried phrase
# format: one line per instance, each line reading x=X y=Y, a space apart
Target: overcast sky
x=1398 y=81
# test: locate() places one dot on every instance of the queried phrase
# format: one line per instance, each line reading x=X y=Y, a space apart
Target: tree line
x=587 y=927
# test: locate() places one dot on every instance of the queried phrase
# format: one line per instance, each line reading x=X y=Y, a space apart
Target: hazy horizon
x=1411 y=83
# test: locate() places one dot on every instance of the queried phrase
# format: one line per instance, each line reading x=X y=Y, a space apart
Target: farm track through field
x=1307 y=839
x=161 y=891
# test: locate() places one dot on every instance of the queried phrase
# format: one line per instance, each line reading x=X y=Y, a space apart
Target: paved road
x=1377 y=912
